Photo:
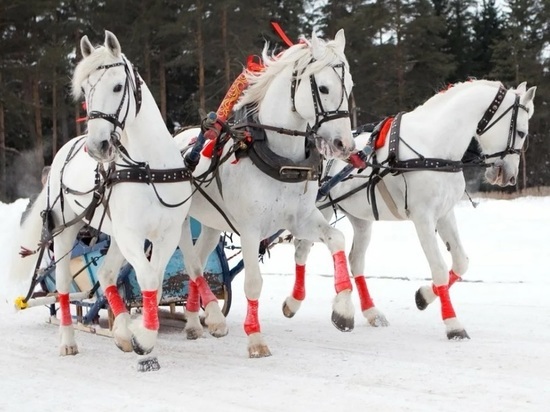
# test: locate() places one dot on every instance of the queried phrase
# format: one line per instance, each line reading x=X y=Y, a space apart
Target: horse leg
x=448 y=232
x=253 y=281
x=362 y=231
x=342 y=307
x=293 y=302
x=144 y=336
x=63 y=245
x=107 y=276
x=195 y=259
x=426 y=232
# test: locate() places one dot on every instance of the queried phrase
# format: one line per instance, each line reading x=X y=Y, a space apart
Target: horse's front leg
x=448 y=232
x=362 y=231
x=257 y=348
x=63 y=244
x=148 y=274
x=426 y=231
x=293 y=302
x=195 y=258
x=342 y=308
x=107 y=276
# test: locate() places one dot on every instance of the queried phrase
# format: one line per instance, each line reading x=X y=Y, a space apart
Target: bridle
x=484 y=124
x=124 y=101
x=321 y=115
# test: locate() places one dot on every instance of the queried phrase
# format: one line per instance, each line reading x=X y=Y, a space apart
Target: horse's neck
x=446 y=130
x=276 y=110
x=148 y=138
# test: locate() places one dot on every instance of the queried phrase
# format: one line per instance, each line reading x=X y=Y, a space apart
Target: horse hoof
x=342 y=323
x=379 y=321
x=138 y=348
x=124 y=345
x=421 y=302
x=193 y=333
x=218 y=331
x=258 y=351
x=458 y=335
x=287 y=312
x=148 y=365
x=68 y=350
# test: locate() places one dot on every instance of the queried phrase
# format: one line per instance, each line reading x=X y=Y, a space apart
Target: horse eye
x=521 y=135
x=82 y=90
x=117 y=88
x=323 y=89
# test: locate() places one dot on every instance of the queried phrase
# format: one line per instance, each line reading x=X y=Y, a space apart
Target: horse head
x=112 y=90
x=306 y=88
x=502 y=140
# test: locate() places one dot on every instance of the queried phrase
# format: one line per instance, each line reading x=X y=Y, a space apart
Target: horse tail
x=26 y=247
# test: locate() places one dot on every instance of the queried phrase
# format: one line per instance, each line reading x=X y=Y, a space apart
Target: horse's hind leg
x=362 y=231
x=63 y=245
x=448 y=232
x=107 y=275
x=426 y=231
x=293 y=302
x=195 y=259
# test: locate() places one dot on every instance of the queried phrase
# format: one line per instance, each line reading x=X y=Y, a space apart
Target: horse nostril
x=104 y=146
x=338 y=144
x=512 y=181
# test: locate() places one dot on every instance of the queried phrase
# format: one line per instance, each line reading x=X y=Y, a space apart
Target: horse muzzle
x=335 y=148
x=501 y=174
x=103 y=152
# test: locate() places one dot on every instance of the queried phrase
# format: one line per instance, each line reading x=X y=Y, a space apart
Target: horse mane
x=453 y=89
x=298 y=56
x=88 y=65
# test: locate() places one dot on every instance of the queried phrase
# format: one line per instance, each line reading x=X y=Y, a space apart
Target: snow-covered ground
x=504 y=303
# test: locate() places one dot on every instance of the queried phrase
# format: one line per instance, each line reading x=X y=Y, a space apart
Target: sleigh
x=91 y=310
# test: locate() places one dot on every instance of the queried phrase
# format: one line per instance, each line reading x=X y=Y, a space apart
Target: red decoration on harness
x=381 y=139
x=277 y=27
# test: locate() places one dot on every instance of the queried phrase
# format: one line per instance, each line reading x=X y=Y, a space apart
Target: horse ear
x=85 y=46
x=522 y=88
x=112 y=44
x=529 y=95
x=340 y=40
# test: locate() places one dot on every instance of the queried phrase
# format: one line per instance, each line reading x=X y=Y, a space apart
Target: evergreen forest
x=401 y=52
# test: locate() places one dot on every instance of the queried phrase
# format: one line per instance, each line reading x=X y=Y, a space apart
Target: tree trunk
x=200 y=57
x=226 y=58
x=54 y=113
x=162 y=86
x=3 y=181
x=39 y=138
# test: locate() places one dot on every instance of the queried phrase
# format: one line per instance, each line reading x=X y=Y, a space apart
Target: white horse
x=423 y=157
x=124 y=177
x=300 y=96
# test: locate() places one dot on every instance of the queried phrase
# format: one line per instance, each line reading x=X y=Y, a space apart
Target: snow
x=503 y=303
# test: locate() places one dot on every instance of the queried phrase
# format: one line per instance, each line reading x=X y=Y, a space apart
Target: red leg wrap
x=453 y=277
x=341 y=272
x=115 y=301
x=65 y=309
x=192 y=304
x=204 y=291
x=251 y=323
x=364 y=295
x=447 y=310
x=150 y=310
x=299 y=291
